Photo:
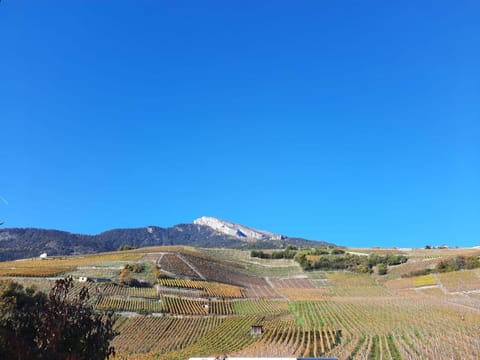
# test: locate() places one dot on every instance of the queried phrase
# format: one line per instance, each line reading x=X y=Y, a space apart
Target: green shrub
x=382 y=269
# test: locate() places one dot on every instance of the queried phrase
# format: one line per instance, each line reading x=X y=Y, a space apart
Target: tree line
x=447 y=265
x=334 y=259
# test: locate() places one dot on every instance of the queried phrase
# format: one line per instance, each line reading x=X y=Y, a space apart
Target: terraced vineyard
x=283 y=337
x=161 y=335
x=293 y=283
x=33 y=271
x=176 y=305
x=139 y=292
x=210 y=288
x=465 y=280
x=261 y=292
x=261 y=307
x=98 y=259
x=307 y=314
x=174 y=264
x=142 y=306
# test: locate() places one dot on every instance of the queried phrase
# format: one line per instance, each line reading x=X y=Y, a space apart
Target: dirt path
x=440 y=285
x=159 y=259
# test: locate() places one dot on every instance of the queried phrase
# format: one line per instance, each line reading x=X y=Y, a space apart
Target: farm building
x=206 y=307
x=256 y=330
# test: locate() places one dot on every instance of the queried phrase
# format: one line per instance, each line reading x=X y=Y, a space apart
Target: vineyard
x=205 y=307
x=161 y=334
x=35 y=272
x=175 y=264
x=261 y=292
x=283 y=337
x=142 y=306
x=112 y=289
x=210 y=288
x=354 y=285
x=261 y=307
x=293 y=283
x=176 y=305
x=465 y=280
x=105 y=259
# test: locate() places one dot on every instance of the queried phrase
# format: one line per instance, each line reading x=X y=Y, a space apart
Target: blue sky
x=355 y=122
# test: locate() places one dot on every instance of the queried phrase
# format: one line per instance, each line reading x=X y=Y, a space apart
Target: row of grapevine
x=46 y=271
x=161 y=334
x=304 y=294
x=213 y=289
x=72 y=261
x=394 y=328
x=182 y=292
x=114 y=289
x=261 y=307
x=293 y=341
x=138 y=305
x=176 y=305
x=464 y=280
x=354 y=285
x=232 y=335
x=167 y=304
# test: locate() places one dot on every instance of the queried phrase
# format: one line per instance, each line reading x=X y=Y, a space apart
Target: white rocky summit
x=239 y=231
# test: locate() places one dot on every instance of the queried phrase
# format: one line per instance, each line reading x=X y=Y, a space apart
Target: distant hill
x=16 y=243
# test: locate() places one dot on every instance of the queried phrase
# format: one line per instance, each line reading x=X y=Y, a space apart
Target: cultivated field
x=176 y=302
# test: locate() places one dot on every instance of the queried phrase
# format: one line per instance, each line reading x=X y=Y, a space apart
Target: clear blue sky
x=355 y=122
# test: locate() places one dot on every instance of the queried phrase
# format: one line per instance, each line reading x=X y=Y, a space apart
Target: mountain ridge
x=16 y=243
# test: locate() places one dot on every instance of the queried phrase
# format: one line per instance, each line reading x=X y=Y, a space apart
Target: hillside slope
x=207 y=302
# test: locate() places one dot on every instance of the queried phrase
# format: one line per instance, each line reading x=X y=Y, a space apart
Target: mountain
x=16 y=243
x=241 y=232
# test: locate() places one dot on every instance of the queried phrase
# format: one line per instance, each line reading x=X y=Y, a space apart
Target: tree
x=382 y=269
x=135 y=267
x=34 y=326
x=125 y=278
x=126 y=247
x=20 y=320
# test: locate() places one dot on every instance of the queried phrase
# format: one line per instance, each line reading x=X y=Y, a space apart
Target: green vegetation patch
x=338 y=259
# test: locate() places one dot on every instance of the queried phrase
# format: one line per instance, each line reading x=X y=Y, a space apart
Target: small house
x=43 y=256
x=256 y=330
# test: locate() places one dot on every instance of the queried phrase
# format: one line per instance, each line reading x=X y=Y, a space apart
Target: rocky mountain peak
x=236 y=230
